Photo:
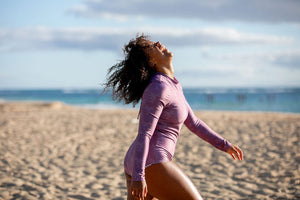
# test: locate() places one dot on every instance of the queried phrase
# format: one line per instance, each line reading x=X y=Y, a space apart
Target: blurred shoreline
x=285 y=100
x=108 y=107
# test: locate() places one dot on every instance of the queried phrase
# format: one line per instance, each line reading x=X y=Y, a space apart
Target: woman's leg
x=167 y=181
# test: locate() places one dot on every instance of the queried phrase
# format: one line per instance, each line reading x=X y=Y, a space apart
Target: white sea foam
x=80 y=91
x=104 y=106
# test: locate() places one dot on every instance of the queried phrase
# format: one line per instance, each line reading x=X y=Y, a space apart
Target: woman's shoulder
x=159 y=81
x=158 y=87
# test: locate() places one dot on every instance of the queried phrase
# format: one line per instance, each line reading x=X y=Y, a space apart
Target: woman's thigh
x=167 y=181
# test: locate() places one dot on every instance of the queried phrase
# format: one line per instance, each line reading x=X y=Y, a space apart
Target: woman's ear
x=152 y=64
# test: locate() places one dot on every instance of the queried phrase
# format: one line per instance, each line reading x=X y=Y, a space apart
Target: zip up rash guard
x=163 y=111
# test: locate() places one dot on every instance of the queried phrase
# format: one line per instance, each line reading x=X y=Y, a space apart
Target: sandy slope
x=53 y=151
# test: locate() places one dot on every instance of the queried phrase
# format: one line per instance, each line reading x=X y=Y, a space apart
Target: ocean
x=231 y=99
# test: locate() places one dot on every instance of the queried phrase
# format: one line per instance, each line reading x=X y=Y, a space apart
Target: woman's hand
x=138 y=189
x=235 y=151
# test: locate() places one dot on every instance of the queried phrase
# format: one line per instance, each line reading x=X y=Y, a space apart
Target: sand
x=55 y=151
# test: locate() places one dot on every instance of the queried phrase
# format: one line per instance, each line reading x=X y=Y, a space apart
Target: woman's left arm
x=202 y=130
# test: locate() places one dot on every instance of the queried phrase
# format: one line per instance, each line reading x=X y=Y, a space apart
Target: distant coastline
x=285 y=100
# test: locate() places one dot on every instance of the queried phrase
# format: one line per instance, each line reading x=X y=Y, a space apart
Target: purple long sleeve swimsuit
x=163 y=111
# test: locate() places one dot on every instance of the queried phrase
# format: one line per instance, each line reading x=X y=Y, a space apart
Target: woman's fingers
x=235 y=152
x=233 y=156
x=138 y=190
x=240 y=153
x=145 y=191
x=137 y=194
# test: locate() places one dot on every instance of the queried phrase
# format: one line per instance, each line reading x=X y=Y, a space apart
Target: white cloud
x=83 y=9
x=216 y=10
x=216 y=72
x=281 y=58
x=114 y=38
x=264 y=68
x=287 y=59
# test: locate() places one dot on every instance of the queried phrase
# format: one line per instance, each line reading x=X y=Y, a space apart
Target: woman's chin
x=168 y=53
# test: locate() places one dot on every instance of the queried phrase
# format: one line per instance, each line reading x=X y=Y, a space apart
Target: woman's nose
x=158 y=44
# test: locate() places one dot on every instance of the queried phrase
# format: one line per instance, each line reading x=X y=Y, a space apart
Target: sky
x=222 y=43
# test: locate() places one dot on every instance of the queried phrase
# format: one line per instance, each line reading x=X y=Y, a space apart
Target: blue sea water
x=233 y=99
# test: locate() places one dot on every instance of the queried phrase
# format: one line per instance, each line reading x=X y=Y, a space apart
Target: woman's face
x=158 y=54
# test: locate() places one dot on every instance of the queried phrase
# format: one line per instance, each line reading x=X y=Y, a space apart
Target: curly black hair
x=129 y=78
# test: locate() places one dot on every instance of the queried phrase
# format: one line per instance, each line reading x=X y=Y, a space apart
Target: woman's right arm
x=153 y=102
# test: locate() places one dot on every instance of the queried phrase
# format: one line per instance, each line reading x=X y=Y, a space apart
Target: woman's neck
x=167 y=70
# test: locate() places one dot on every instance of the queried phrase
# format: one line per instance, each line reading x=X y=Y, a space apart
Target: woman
x=147 y=73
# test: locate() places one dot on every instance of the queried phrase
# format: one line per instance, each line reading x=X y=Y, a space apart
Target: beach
x=56 y=151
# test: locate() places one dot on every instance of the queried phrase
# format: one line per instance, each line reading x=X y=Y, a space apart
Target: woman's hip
x=167 y=181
